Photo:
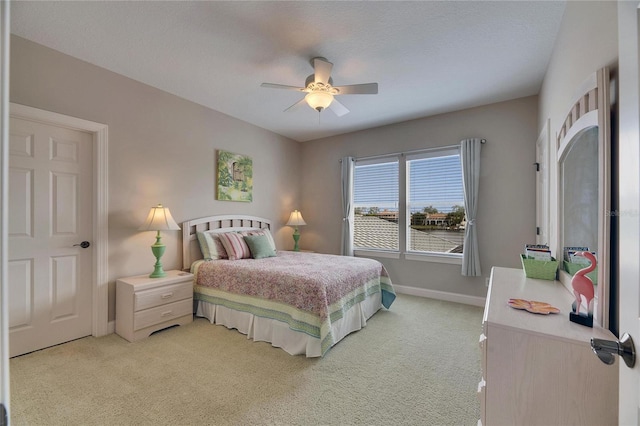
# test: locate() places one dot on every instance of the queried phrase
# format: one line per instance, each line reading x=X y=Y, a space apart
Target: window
x=435 y=202
x=375 y=201
x=421 y=193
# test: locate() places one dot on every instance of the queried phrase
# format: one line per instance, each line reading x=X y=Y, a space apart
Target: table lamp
x=159 y=219
x=296 y=220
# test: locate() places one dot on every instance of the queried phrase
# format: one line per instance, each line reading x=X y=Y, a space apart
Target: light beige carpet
x=417 y=364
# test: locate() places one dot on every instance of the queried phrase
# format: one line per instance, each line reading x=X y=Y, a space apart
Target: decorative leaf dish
x=534 y=307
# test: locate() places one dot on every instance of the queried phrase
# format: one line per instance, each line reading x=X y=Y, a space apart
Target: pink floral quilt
x=307 y=290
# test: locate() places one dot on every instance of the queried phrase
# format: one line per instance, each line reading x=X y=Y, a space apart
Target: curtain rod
x=415 y=151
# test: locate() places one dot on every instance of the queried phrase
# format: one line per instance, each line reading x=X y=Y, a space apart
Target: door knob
x=606 y=349
x=83 y=244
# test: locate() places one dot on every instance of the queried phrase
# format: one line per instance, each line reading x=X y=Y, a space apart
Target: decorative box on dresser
x=539 y=369
x=145 y=305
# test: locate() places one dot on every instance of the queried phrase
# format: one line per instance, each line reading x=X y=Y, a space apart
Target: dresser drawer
x=167 y=312
x=161 y=296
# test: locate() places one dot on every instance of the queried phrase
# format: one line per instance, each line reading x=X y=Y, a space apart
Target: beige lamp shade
x=159 y=219
x=296 y=219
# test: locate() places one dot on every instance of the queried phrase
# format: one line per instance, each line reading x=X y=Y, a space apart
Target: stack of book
x=569 y=255
x=537 y=262
x=537 y=252
x=573 y=263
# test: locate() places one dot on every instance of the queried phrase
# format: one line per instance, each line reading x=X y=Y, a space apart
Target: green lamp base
x=296 y=237
x=158 y=250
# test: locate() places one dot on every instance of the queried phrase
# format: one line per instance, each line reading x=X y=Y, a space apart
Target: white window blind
x=435 y=202
x=376 y=200
x=435 y=180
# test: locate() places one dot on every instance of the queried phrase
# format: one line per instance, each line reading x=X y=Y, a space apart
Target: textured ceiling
x=428 y=57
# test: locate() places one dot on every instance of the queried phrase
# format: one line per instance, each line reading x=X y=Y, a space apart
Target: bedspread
x=308 y=291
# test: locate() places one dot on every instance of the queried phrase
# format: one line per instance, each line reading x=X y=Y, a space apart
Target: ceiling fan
x=320 y=90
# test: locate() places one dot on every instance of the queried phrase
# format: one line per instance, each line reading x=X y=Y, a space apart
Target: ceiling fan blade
x=337 y=108
x=300 y=102
x=282 y=86
x=358 y=89
x=322 y=70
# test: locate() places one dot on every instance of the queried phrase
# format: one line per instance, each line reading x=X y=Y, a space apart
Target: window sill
x=421 y=257
x=437 y=258
x=376 y=253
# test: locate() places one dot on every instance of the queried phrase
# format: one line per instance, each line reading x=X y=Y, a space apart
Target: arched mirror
x=584 y=187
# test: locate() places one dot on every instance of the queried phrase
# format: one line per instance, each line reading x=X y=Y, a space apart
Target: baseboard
x=440 y=295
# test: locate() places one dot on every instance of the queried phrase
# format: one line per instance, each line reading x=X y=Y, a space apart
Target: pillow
x=211 y=246
x=235 y=246
x=260 y=246
x=264 y=232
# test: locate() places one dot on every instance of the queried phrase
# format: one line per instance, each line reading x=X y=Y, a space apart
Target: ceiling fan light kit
x=320 y=90
x=319 y=100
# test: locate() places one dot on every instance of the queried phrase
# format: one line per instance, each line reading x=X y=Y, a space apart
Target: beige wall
x=161 y=149
x=506 y=210
x=586 y=42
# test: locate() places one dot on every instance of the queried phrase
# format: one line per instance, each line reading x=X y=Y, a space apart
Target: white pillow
x=211 y=246
x=235 y=245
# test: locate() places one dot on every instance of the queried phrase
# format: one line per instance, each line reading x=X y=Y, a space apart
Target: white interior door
x=629 y=201
x=50 y=215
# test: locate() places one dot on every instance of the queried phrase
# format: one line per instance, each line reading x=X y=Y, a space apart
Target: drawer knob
x=483 y=338
x=166 y=314
x=167 y=295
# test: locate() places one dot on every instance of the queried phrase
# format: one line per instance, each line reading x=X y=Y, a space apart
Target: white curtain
x=347 y=206
x=470 y=159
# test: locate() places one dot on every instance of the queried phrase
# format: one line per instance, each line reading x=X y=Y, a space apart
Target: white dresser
x=145 y=305
x=539 y=369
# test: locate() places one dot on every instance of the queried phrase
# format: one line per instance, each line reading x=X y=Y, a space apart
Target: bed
x=301 y=302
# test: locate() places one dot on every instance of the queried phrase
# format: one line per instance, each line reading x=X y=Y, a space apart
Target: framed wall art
x=235 y=177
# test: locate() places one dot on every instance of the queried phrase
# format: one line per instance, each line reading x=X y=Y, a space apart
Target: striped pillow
x=211 y=246
x=235 y=245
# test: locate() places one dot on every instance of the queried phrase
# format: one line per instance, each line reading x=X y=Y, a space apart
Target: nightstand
x=145 y=305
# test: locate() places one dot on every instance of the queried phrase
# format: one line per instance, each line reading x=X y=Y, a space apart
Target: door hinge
x=537 y=166
x=537 y=230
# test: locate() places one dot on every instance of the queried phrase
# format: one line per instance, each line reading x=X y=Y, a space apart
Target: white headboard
x=190 y=246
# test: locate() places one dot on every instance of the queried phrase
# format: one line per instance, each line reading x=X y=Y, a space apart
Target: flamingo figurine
x=583 y=287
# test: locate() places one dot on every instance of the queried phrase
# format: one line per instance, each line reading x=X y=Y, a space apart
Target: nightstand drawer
x=162 y=313
x=161 y=296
